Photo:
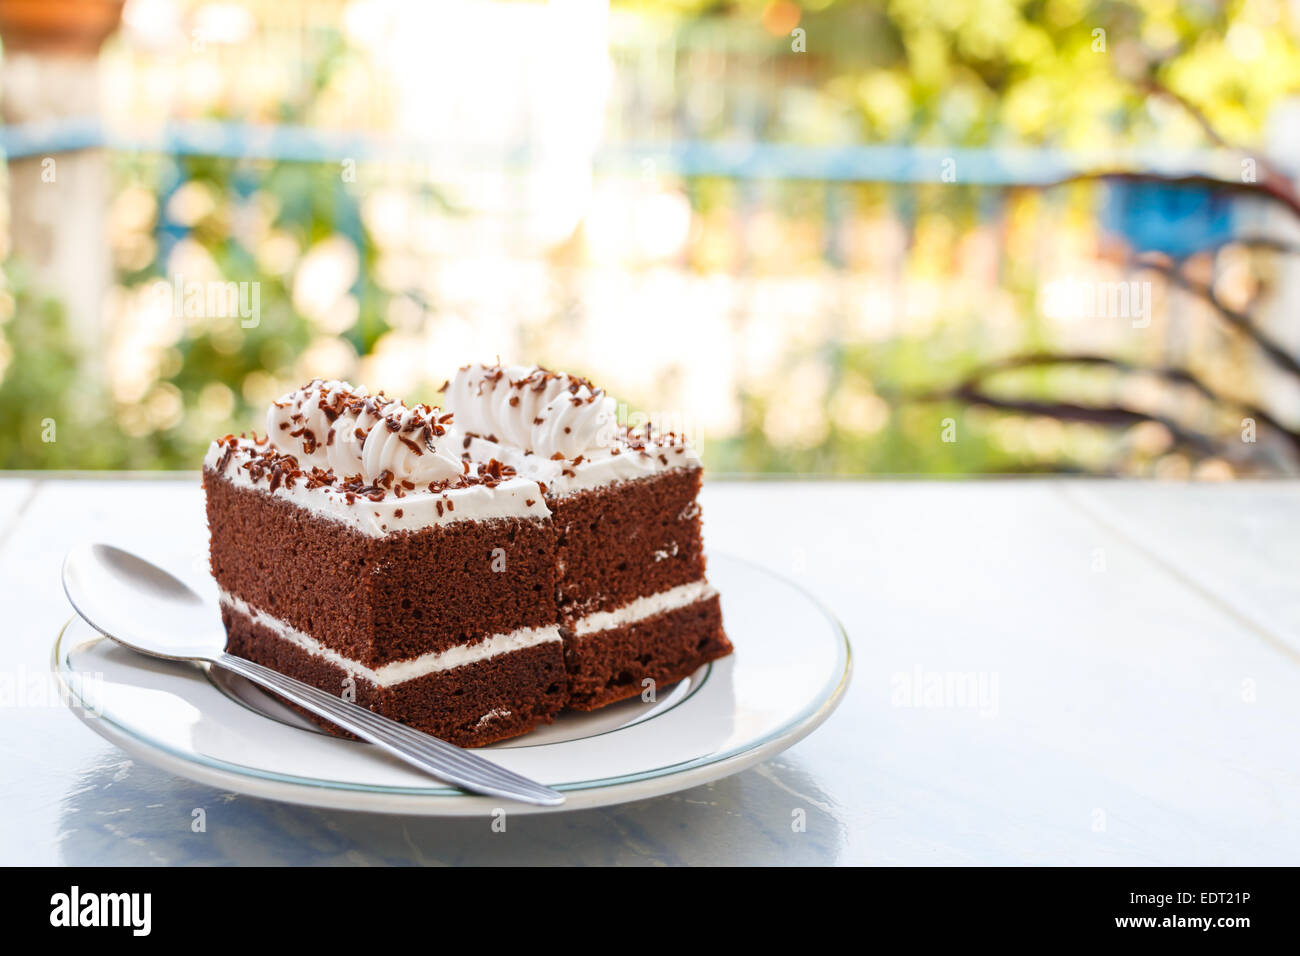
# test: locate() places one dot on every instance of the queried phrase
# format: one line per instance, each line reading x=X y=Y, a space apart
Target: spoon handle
x=445 y=761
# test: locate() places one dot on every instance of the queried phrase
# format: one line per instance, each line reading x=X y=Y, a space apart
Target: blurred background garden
x=895 y=237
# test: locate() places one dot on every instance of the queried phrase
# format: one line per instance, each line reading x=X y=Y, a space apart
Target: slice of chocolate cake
x=634 y=606
x=356 y=550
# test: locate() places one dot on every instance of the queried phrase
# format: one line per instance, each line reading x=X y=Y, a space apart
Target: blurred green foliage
x=1062 y=73
x=1078 y=74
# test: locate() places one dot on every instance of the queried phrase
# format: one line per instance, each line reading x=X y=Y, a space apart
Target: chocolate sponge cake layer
x=380 y=599
x=611 y=665
x=625 y=540
x=470 y=705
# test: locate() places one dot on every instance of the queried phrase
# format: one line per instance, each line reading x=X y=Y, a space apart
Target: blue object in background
x=1175 y=219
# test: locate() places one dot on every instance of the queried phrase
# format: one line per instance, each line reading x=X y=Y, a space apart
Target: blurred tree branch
x=1237 y=319
x=972 y=389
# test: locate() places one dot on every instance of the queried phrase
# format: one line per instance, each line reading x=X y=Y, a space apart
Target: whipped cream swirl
x=412 y=444
x=323 y=425
x=547 y=413
x=331 y=425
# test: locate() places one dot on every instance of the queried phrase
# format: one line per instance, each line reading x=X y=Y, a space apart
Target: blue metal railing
x=736 y=160
x=1174 y=219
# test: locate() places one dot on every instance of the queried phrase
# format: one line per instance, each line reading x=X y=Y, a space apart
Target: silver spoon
x=141 y=606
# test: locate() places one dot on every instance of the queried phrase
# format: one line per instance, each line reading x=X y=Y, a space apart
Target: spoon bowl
x=140 y=605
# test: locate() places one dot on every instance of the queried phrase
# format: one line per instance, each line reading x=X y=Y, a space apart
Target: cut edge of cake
x=636 y=609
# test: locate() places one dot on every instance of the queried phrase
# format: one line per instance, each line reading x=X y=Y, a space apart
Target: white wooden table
x=1046 y=672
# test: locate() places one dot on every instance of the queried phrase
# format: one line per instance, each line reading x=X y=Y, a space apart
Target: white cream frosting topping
x=554 y=428
x=411 y=444
x=324 y=424
x=413 y=510
x=331 y=425
x=547 y=413
x=564 y=477
x=385 y=466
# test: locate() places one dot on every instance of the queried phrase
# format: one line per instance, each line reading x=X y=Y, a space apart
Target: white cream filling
x=397 y=672
x=495 y=713
x=644 y=607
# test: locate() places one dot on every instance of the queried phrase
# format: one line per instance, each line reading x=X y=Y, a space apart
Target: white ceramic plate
x=789 y=671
